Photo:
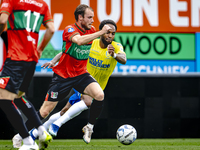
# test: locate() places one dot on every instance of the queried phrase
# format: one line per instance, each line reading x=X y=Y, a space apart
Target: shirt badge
x=71 y=30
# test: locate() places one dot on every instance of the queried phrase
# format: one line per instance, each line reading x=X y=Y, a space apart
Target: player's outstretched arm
x=53 y=62
x=84 y=39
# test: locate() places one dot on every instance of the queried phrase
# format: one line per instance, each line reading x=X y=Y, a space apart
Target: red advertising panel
x=134 y=15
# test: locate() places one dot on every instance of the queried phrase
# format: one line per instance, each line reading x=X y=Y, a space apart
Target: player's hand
x=111 y=50
x=48 y=65
x=106 y=28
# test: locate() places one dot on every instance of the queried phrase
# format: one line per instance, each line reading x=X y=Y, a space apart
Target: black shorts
x=17 y=75
x=60 y=87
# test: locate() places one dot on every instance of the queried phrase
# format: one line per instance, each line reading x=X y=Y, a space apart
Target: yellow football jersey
x=100 y=64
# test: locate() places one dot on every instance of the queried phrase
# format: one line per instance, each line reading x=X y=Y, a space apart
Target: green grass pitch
x=113 y=144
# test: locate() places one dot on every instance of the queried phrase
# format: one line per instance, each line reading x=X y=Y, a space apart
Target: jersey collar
x=81 y=29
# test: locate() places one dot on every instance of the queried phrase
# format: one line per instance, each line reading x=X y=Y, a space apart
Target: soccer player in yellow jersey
x=103 y=57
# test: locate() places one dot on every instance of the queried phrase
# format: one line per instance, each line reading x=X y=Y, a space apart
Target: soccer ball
x=126 y=134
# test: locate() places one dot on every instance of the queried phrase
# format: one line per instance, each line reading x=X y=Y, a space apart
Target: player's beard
x=105 y=42
x=86 y=27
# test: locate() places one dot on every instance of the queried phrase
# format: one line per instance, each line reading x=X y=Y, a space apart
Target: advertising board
x=150 y=53
x=159 y=36
x=134 y=15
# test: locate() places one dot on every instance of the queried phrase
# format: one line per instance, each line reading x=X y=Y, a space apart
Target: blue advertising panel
x=155 y=67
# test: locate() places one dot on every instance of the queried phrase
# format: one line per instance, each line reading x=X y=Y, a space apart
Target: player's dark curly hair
x=80 y=10
x=108 y=21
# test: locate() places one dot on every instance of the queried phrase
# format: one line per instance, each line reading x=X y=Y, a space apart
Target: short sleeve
x=7 y=7
x=119 y=48
x=69 y=32
x=47 y=16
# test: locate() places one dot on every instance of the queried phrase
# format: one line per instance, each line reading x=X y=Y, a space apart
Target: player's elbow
x=50 y=27
x=79 y=42
x=52 y=30
x=122 y=60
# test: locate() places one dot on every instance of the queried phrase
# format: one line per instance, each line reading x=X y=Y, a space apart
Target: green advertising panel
x=159 y=46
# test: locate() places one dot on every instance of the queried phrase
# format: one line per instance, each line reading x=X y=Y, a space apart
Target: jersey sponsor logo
x=3 y=82
x=98 y=63
x=4 y=5
x=71 y=30
x=54 y=95
x=81 y=51
x=32 y=2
